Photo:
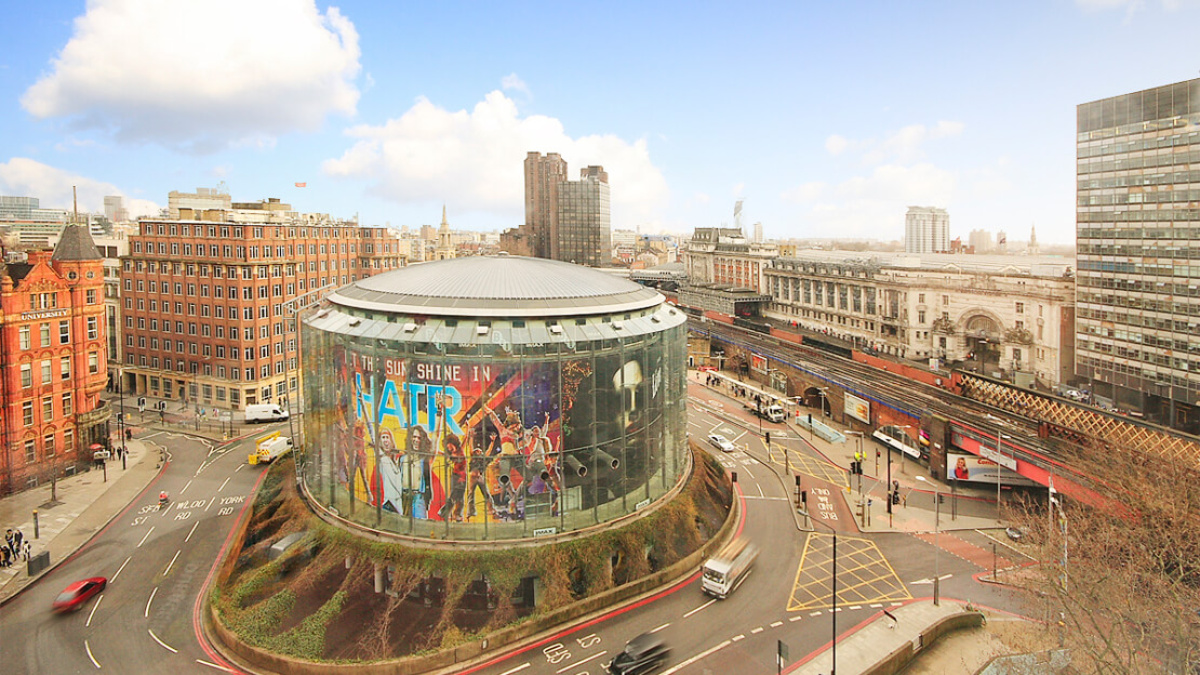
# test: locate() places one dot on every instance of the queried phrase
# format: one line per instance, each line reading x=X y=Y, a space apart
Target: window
x=67 y=405
x=93 y=363
x=26 y=375
x=45 y=334
x=27 y=413
x=64 y=332
x=93 y=329
x=24 y=332
x=46 y=371
x=1020 y=308
x=48 y=444
x=30 y=452
x=68 y=440
x=47 y=409
x=64 y=367
x=91 y=296
x=921 y=316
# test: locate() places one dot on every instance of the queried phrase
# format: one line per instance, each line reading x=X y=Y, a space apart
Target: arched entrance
x=817 y=397
x=983 y=343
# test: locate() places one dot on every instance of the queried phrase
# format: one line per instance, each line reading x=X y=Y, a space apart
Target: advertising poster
x=859 y=409
x=974 y=468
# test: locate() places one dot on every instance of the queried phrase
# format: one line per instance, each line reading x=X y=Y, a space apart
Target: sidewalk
x=86 y=504
x=868 y=645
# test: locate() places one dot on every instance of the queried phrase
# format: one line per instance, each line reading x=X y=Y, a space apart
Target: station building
x=492 y=398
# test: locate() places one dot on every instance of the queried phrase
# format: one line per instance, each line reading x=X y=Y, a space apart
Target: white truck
x=265 y=412
x=269 y=448
x=726 y=570
x=772 y=413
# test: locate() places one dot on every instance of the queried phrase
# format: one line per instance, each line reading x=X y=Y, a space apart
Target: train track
x=901 y=394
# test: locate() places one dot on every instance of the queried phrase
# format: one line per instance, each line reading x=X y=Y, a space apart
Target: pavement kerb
x=474 y=655
x=17 y=585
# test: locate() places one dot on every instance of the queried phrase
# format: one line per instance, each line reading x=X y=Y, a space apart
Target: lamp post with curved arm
x=937 y=528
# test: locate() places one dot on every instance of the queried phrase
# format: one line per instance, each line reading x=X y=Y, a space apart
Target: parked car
x=720 y=442
x=642 y=654
x=77 y=594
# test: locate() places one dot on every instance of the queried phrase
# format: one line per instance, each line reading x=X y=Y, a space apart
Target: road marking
x=659 y=628
x=756 y=631
x=164 y=645
x=699 y=608
x=145 y=537
x=185 y=487
x=735 y=638
x=795 y=618
x=927 y=580
x=171 y=563
x=223 y=484
x=185 y=540
x=696 y=658
x=213 y=665
x=240 y=467
x=89 y=651
x=518 y=669
x=93 y=612
x=580 y=663
x=776 y=624
x=210 y=503
x=814 y=614
x=877 y=605
x=760 y=490
x=856 y=607
x=114 y=577
x=147 y=613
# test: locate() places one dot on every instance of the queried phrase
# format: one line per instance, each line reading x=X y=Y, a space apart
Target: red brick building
x=53 y=360
x=208 y=299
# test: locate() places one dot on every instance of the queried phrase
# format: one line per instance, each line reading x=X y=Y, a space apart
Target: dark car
x=643 y=654
x=77 y=594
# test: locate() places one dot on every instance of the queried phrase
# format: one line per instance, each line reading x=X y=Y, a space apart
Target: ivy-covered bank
x=318 y=602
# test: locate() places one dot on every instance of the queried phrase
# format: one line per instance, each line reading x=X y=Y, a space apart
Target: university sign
x=43 y=314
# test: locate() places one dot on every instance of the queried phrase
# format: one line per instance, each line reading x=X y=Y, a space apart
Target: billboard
x=976 y=469
x=859 y=409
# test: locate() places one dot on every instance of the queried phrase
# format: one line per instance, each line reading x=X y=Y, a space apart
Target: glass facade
x=1138 y=249
x=467 y=429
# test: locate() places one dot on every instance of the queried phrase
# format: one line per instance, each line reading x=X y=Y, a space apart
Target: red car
x=74 y=596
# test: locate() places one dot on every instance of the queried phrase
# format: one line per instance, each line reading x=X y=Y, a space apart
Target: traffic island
x=336 y=602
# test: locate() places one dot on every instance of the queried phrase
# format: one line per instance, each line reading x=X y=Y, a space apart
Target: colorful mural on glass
x=444 y=441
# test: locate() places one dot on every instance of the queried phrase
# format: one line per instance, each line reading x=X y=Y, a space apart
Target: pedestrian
x=18 y=539
x=8 y=539
x=4 y=553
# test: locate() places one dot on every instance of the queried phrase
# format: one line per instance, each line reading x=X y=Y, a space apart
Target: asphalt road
x=156 y=560
x=787 y=597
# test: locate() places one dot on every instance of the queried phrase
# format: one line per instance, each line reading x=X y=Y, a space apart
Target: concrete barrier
x=899 y=659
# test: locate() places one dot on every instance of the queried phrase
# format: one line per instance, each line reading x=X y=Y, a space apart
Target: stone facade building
x=998 y=314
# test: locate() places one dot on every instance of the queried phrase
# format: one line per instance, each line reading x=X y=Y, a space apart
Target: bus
x=725 y=571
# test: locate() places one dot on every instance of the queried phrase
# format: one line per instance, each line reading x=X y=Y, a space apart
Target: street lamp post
x=121 y=417
x=937 y=528
x=832 y=597
x=999 y=436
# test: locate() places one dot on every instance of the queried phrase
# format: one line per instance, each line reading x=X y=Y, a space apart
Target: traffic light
x=768 y=438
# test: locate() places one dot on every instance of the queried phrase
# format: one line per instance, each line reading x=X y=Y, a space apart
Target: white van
x=725 y=571
x=265 y=412
x=273 y=447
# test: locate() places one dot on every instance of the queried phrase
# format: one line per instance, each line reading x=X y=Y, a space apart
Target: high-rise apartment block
x=1138 y=251
x=210 y=297
x=564 y=220
x=926 y=230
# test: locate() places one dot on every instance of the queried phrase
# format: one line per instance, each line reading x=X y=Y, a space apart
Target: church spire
x=444 y=223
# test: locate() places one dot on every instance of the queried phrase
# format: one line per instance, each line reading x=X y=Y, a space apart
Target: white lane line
x=760 y=490
x=239 y=468
x=145 y=537
x=735 y=638
x=164 y=645
x=856 y=607
x=185 y=487
x=659 y=628
x=223 y=484
x=518 y=669
x=114 y=577
x=877 y=605
x=814 y=614
x=777 y=624
x=580 y=663
x=93 y=612
x=794 y=619
x=170 y=564
x=696 y=658
x=147 y=612
x=89 y=651
x=699 y=608
x=756 y=631
x=210 y=503
x=213 y=665
x=185 y=540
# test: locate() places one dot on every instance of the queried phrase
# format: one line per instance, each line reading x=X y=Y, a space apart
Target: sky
x=827 y=119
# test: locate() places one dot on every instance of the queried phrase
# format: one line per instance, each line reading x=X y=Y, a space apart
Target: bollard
x=36 y=531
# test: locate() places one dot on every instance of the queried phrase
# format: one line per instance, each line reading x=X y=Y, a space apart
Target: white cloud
x=201 y=74
x=25 y=177
x=836 y=145
x=514 y=83
x=907 y=144
x=473 y=160
x=872 y=205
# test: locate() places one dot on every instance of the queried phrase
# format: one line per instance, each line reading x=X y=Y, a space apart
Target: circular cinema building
x=492 y=398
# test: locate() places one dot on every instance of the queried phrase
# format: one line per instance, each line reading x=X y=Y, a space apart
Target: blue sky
x=829 y=119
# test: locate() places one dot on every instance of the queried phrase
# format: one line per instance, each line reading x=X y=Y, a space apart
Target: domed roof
x=500 y=285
